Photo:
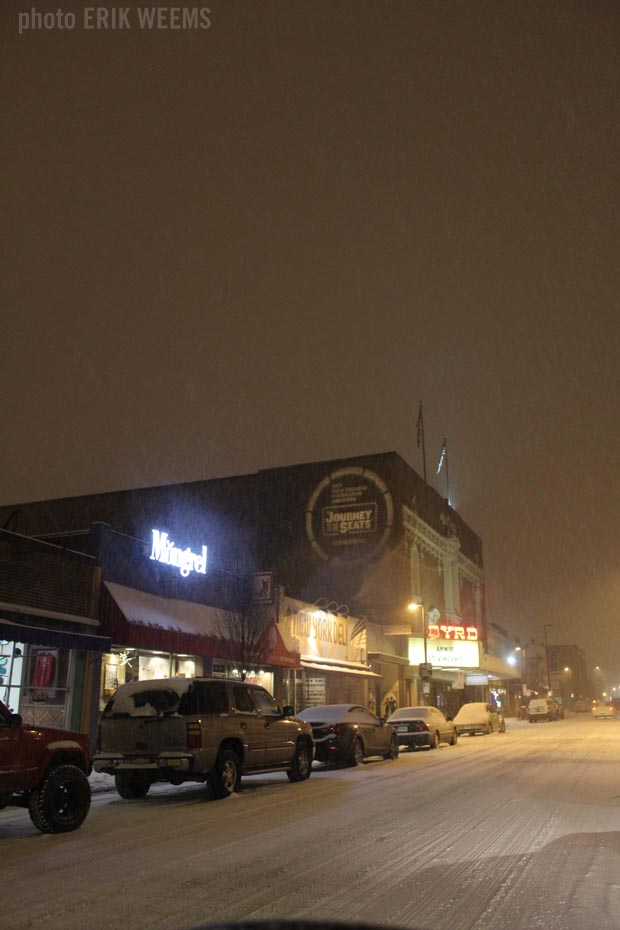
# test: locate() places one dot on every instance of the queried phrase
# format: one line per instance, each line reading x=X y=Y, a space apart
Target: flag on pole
x=419 y=427
x=442 y=454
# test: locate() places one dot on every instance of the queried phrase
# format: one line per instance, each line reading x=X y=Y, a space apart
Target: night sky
x=265 y=242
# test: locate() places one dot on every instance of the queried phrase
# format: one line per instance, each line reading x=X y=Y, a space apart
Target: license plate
x=402 y=729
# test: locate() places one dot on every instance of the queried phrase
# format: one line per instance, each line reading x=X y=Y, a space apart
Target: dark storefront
x=50 y=637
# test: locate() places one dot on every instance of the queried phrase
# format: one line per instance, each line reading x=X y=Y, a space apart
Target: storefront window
x=46 y=674
x=123 y=665
x=11 y=668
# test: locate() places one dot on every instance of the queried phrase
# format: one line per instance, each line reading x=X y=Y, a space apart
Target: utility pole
x=547 y=626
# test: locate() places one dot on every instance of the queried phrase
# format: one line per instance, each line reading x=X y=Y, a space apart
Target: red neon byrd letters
x=446 y=631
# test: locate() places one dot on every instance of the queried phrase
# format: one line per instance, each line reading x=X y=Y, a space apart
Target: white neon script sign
x=164 y=550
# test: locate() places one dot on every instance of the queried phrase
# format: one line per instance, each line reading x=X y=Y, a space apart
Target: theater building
x=337 y=552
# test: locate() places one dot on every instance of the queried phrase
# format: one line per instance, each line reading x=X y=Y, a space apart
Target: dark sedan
x=422 y=727
x=349 y=733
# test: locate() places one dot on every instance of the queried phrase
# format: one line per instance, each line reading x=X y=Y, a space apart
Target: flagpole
x=420 y=437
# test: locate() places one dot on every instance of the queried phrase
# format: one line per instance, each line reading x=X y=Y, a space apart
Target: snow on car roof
x=472 y=711
x=407 y=713
x=149 y=698
x=332 y=713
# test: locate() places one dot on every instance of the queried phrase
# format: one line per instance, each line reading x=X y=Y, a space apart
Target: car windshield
x=406 y=713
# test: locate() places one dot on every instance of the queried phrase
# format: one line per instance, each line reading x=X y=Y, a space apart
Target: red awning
x=134 y=618
x=278 y=649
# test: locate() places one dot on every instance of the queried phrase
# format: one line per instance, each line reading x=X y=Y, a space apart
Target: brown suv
x=198 y=729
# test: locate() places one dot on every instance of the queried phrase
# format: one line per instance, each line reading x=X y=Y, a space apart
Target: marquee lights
x=164 y=550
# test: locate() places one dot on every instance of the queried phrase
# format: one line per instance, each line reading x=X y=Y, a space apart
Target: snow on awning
x=135 y=618
x=349 y=668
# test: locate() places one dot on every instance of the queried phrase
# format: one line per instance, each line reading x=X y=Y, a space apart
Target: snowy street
x=519 y=831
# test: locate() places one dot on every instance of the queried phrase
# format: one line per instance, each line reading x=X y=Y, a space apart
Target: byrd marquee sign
x=165 y=551
x=447 y=646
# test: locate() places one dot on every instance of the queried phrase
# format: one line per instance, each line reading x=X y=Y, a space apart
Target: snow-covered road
x=505 y=832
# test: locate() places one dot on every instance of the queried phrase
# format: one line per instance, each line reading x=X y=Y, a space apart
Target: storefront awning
x=278 y=648
x=44 y=636
x=349 y=668
x=135 y=618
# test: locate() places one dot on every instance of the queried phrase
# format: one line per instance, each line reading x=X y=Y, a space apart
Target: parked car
x=582 y=706
x=211 y=730
x=479 y=717
x=558 y=709
x=541 y=709
x=349 y=733
x=422 y=727
x=602 y=711
x=46 y=770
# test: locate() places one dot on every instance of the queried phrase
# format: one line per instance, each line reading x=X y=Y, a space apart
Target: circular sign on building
x=350 y=515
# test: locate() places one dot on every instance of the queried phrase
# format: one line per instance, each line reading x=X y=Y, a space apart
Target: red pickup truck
x=46 y=770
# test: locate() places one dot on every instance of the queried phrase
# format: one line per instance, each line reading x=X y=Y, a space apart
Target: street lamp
x=424 y=669
x=546 y=627
x=413 y=606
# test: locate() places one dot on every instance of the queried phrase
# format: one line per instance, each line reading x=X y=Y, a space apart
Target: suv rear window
x=147 y=699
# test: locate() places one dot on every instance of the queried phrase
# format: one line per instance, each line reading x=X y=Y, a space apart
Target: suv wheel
x=62 y=800
x=301 y=765
x=226 y=775
x=131 y=786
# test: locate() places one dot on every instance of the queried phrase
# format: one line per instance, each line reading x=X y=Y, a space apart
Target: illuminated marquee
x=445 y=653
x=164 y=550
x=467 y=634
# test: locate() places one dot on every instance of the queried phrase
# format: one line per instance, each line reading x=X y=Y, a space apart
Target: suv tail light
x=194 y=735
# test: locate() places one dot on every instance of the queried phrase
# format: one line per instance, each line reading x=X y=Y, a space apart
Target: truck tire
x=301 y=766
x=226 y=775
x=131 y=786
x=62 y=800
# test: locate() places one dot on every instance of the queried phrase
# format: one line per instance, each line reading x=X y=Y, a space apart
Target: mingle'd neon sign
x=164 y=550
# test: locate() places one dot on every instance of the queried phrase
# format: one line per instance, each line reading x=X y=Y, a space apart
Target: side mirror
x=16 y=720
x=288 y=710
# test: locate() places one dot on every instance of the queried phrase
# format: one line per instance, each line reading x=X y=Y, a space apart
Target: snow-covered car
x=422 y=727
x=541 y=709
x=349 y=733
x=604 y=711
x=479 y=717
